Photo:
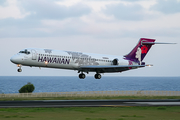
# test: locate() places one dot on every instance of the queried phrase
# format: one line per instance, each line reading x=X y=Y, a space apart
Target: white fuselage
x=82 y=62
x=64 y=59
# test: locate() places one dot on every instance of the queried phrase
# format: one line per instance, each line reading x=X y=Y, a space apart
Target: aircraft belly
x=105 y=70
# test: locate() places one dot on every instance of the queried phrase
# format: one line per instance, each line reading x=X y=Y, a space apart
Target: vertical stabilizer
x=140 y=50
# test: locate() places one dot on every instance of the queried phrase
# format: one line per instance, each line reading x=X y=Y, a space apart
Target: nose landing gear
x=19 y=69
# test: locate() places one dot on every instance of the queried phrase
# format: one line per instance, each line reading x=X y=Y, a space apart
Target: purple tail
x=140 y=50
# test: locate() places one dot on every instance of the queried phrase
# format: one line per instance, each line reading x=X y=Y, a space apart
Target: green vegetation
x=90 y=98
x=28 y=88
x=92 y=113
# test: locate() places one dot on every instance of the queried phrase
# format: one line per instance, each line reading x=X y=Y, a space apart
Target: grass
x=90 y=98
x=92 y=113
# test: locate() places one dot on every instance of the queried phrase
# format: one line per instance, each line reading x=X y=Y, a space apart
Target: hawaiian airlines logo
x=53 y=60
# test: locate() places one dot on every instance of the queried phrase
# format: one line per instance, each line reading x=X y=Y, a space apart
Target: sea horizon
x=11 y=84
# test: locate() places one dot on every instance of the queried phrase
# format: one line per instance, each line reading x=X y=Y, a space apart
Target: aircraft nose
x=15 y=59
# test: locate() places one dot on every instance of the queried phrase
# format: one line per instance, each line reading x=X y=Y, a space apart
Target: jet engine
x=115 y=61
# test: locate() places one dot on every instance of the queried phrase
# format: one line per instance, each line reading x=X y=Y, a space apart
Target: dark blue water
x=10 y=84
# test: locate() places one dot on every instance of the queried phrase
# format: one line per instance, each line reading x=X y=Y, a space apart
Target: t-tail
x=141 y=49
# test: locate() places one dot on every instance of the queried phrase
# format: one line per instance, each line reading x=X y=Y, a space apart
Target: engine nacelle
x=115 y=61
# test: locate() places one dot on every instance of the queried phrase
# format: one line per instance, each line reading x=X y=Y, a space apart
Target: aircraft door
x=34 y=54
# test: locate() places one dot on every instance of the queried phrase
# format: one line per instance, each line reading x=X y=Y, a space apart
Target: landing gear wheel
x=19 y=70
x=97 y=76
x=82 y=76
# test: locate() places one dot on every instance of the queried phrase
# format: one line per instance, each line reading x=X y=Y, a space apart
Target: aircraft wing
x=109 y=68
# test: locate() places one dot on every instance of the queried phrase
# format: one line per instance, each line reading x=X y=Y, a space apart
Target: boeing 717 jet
x=84 y=62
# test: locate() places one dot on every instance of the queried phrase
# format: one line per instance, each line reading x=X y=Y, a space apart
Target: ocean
x=11 y=84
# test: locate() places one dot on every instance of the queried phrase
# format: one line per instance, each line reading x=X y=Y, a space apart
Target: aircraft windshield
x=25 y=51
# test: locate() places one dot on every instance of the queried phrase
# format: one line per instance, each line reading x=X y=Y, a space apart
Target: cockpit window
x=25 y=51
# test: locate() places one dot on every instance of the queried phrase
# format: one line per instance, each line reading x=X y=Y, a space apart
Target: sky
x=92 y=26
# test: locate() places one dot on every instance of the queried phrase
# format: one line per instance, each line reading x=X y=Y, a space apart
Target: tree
x=28 y=88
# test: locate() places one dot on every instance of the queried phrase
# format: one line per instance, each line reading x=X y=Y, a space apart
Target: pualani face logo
x=82 y=59
x=138 y=54
x=48 y=51
x=141 y=50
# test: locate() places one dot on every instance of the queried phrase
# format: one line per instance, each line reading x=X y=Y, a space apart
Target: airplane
x=84 y=62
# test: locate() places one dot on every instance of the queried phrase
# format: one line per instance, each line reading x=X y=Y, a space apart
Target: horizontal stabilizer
x=152 y=43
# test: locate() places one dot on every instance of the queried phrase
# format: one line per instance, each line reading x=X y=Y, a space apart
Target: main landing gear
x=96 y=76
x=82 y=76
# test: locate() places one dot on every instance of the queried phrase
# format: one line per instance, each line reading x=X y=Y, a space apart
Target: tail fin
x=140 y=50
